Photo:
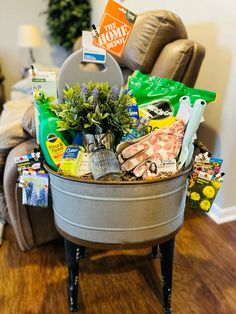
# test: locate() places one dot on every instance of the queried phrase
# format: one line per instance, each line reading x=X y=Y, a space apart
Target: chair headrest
x=151 y=32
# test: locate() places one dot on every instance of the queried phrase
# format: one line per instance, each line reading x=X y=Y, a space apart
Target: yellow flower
x=216 y=184
x=205 y=205
x=191 y=183
x=195 y=196
x=209 y=191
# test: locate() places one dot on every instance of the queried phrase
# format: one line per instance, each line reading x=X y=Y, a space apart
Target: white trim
x=222 y=215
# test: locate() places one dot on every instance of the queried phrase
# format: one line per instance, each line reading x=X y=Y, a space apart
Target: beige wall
x=210 y=22
x=13 y=59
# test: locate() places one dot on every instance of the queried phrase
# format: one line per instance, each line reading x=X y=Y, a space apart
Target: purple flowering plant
x=94 y=108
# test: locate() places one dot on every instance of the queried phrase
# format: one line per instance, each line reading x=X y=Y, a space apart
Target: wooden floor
x=125 y=282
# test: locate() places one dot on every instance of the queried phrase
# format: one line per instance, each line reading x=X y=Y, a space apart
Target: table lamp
x=29 y=36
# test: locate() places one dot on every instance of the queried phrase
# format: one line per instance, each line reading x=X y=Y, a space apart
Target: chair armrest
x=17 y=212
x=32 y=225
x=193 y=68
x=180 y=60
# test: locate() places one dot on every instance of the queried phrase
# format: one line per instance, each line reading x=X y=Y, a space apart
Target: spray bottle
x=53 y=142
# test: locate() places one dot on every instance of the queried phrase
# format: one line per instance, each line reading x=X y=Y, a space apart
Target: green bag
x=164 y=95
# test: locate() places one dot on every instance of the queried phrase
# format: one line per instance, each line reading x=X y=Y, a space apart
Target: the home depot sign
x=114 y=36
x=115 y=27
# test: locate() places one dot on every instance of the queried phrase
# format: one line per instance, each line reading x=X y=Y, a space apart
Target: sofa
x=158 y=45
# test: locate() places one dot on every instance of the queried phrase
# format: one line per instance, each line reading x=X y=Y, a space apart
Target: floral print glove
x=163 y=144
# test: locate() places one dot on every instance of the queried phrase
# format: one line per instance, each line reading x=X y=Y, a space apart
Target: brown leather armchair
x=157 y=45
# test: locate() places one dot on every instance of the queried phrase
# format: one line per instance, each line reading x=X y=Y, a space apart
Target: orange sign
x=115 y=27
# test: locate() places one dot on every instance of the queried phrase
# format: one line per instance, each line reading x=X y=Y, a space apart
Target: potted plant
x=94 y=108
x=66 y=20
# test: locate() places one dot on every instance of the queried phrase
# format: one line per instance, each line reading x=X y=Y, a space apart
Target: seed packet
x=202 y=193
x=204 y=183
x=114 y=28
x=34 y=188
x=206 y=169
x=30 y=162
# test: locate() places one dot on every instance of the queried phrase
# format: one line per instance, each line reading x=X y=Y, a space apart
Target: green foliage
x=66 y=19
x=94 y=108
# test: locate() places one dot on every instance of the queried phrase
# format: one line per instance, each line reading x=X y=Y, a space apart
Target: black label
x=159 y=110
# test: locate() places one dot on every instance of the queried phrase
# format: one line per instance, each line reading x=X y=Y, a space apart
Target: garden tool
x=190 y=133
x=185 y=109
x=163 y=144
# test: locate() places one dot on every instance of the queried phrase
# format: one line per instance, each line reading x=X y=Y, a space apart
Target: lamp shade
x=29 y=36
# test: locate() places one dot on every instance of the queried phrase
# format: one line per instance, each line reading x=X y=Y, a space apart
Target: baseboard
x=222 y=215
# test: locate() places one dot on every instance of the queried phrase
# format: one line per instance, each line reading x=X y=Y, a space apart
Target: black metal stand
x=74 y=253
x=167 y=259
x=154 y=253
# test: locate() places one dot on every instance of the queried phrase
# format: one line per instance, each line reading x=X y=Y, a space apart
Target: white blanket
x=11 y=130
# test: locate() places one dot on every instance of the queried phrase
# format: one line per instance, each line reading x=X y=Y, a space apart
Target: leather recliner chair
x=157 y=45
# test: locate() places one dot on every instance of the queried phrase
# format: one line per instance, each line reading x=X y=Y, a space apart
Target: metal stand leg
x=82 y=252
x=154 y=253
x=167 y=258
x=73 y=255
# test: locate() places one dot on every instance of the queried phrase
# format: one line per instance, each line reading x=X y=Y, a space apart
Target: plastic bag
x=159 y=98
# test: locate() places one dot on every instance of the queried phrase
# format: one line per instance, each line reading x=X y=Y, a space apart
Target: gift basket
x=118 y=159
x=122 y=182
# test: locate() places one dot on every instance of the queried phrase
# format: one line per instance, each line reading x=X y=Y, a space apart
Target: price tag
x=92 y=53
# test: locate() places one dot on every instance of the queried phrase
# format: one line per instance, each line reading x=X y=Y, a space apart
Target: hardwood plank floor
x=125 y=282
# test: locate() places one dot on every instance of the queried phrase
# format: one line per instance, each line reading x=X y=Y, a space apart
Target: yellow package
x=71 y=160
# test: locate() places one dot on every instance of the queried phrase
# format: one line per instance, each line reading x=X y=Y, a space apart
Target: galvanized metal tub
x=118 y=212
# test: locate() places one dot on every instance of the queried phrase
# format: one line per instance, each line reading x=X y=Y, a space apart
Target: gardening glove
x=163 y=144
